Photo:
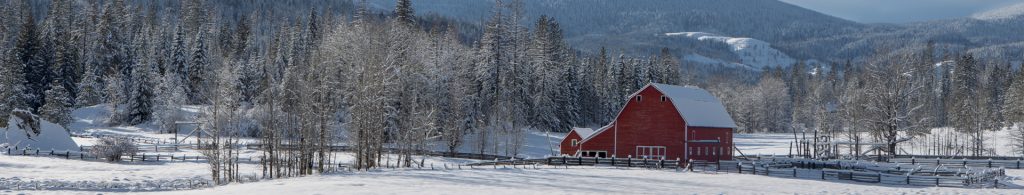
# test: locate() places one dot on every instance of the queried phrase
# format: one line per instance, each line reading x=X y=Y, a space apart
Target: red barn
x=660 y=122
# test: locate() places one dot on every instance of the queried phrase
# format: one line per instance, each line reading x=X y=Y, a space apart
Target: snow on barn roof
x=697 y=106
x=583 y=132
x=587 y=132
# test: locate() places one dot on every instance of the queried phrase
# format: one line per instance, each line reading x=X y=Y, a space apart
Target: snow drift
x=27 y=130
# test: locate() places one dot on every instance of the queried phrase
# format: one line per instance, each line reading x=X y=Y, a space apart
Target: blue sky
x=900 y=11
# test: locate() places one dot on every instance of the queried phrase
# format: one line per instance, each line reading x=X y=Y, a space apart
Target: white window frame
x=651 y=152
x=575 y=142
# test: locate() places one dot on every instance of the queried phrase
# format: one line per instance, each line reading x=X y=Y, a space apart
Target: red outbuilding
x=660 y=122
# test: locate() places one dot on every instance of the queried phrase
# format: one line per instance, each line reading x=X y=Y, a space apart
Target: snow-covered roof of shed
x=697 y=106
x=586 y=133
x=583 y=132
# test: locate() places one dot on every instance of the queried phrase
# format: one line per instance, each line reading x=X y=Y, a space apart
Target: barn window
x=639 y=97
x=650 y=152
x=574 y=142
x=663 y=98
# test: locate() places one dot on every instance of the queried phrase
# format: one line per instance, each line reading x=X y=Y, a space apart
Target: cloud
x=900 y=11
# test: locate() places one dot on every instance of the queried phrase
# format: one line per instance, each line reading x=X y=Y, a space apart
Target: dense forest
x=379 y=79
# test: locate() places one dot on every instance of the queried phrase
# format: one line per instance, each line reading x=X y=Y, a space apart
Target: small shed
x=660 y=121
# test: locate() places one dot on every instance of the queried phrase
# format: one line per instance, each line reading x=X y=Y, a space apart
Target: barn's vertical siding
x=713 y=151
x=566 y=146
x=654 y=122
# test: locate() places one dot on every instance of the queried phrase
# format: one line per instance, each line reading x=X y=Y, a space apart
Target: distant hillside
x=638 y=26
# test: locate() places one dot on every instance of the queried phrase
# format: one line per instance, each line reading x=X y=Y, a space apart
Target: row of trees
x=888 y=98
x=375 y=81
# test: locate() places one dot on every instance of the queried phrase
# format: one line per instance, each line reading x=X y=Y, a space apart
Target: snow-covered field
x=557 y=180
x=31 y=172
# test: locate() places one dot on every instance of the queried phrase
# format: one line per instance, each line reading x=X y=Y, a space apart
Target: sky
x=900 y=11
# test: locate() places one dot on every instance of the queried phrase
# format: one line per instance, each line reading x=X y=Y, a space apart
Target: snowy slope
x=753 y=53
x=1006 y=12
x=50 y=137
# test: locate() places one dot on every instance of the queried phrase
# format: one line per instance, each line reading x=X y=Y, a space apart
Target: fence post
x=579 y=160
x=613 y=161
x=989 y=163
x=67 y=154
x=908 y=180
x=936 y=181
x=823 y=174
x=629 y=162
x=794 y=173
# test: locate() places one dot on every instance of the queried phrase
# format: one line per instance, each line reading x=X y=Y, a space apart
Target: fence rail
x=989 y=163
x=989 y=179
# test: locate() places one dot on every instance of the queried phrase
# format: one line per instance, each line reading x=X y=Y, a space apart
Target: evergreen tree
x=404 y=12
x=1013 y=110
x=967 y=108
x=89 y=89
x=170 y=96
x=668 y=68
x=58 y=105
x=27 y=51
x=197 y=71
x=140 y=104
x=12 y=86
x=179 y=58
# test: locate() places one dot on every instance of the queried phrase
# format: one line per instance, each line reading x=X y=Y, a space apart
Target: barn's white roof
x=697 y=106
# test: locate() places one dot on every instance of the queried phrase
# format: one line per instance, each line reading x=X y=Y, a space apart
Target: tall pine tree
x=58 y=105
x=197 y=71
x=27 y=51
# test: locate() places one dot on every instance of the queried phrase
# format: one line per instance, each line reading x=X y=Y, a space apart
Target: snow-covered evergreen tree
x=58 y=105
x=140 y=102
x=170 y=96
x=12 y=85
x=404 y=12
x=1013 y=110
x=179 y=65
x=116 y=98
x=966 y=112
x=28 y=53
x=89 y=89
x=197 y=70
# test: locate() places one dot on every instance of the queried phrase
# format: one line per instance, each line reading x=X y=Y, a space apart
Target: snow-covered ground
x=558 y=180
x=764 y=144
x=53 y=171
